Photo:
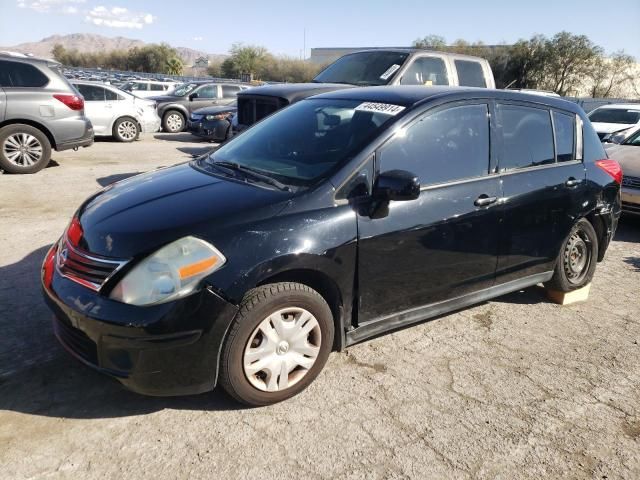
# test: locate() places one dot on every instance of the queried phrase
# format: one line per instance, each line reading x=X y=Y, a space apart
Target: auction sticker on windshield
x=390 y=71
x=385 y=108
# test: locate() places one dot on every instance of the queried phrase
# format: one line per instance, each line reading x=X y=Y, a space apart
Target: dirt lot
x=513 y=388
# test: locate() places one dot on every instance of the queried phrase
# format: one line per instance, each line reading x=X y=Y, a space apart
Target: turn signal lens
x=197 y=267
x=612 y=167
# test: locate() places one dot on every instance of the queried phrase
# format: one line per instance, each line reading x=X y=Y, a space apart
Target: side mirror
x=398 y=185
x=193 y=95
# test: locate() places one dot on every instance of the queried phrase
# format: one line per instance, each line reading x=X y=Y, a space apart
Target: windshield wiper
x=251 y=172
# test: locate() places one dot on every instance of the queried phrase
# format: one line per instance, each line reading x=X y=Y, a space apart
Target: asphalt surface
x=513 y=388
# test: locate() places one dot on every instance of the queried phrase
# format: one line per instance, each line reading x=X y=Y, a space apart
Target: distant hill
x=90 y=43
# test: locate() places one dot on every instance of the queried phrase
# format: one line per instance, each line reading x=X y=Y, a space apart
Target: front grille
x=76 y=340
x=252 y=109
x=631 y=182
x=631 y=207
x=88 y=270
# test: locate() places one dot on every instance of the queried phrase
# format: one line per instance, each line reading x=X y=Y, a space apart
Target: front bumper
x=630 y=200
x=150 y=122
x=216 y=130
x=167 y=349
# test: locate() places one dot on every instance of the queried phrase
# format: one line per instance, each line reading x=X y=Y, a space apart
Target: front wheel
x=277 y=344
x=126 y=129
x=173 y=121
x=577 y=259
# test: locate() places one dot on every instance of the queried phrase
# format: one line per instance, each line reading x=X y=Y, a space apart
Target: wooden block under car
x=567 y=298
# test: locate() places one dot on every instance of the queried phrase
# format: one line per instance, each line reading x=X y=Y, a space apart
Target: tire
x=173 y=121
x=577 y=259
x=23 y=149
x=300 y=328
x=126 y=129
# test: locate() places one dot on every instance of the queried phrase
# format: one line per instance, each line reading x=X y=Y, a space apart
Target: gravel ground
x=513 y=388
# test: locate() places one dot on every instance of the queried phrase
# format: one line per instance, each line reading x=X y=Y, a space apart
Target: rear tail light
x=74 y=102
x=612 y=168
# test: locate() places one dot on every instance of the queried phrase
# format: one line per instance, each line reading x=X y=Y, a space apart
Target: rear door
x=543 y=186
x=445 y=243
x=96 y=108
x=229 y=93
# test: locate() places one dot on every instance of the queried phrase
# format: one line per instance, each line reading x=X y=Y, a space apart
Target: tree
x=432 y=42
x=608 y=74
x=568 y=59
x=246 y=59
x=174 y=66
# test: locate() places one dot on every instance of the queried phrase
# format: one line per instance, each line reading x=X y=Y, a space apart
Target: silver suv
x=39 y=111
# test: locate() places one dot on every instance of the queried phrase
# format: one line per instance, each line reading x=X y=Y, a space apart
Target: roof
x=409 y=96
x=294 y=92
x=415 y=50
x=21 y=57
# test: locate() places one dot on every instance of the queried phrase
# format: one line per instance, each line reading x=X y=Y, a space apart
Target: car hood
x=601 y=127
x=628 y=156
x=215 y=110
x=142 y=213
x=165 y=98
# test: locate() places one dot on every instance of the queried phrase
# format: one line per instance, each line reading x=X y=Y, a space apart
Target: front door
x=445 y=243
x=207 y=95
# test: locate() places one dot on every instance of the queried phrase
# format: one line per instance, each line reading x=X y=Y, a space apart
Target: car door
x=445 y=243
x=206 y=95
x=229 y=94
x=96 y=109
x=3 y=103
x=543 y=186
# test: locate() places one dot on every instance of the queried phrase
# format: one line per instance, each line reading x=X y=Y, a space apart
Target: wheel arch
x=126 y=115
x=31 y=123
x=598 y=224
x=325 y=286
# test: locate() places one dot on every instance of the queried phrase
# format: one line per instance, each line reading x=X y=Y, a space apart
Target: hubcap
x=577 y=257
x=127 y=130
x=282 y=349
x=22 y=149
x=174 y=122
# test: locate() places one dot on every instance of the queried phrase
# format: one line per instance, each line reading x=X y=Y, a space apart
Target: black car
x=175 y=108
x=213 y=123
x=341 y=217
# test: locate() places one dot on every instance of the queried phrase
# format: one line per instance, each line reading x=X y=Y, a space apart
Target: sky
x=280 y=25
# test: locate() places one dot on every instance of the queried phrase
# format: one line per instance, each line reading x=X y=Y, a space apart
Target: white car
x=148 y=88
x=118 y=114
x=609 y=120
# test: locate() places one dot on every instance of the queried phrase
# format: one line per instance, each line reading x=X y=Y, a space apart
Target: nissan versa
x=336 y=219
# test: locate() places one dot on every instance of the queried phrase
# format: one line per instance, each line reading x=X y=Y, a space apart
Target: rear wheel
x=173 y=121
x=577 y=260
x=277 y=344
x=126 y=129
x=23 y=149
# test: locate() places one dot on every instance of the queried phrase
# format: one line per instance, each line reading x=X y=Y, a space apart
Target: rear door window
x=527 y=137
x=470 y=73
x=110 y=95
x=426 y=71
x=156 y=87
x=448 y=145
x=91 y=93
x=565 y=131
x=17 y=74
x=230 y=91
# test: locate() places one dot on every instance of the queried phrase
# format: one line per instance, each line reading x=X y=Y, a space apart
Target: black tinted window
x=448 y=145
x=593 y=149
x=91 y=93
x=615 y=115
x=16 y=74
x=426 y=71
x=230 y=91
x=565 y=128
x=156 y=87
x=470 y=73
x=363 y=68
x=527 y=137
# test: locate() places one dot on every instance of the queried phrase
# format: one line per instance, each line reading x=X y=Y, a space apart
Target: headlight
x=219 y=116
x=172 y=272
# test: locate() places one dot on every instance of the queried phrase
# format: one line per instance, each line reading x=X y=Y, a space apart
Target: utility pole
x=304 y=44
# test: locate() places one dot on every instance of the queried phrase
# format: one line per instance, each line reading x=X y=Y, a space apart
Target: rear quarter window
x=470 y=74
x=565 y=130
x=592 y=147
x=17 y=74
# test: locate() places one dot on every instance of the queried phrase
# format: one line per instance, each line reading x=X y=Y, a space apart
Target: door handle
x=572 y=182
x=484 y=200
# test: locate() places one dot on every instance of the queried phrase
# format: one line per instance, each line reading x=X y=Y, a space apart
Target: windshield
x=634 y=139
x=307 y=141
x=184 y=88
x=615 y=115
x=364 y=68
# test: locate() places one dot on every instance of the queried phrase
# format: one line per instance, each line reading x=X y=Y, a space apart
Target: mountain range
x=90 y=43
